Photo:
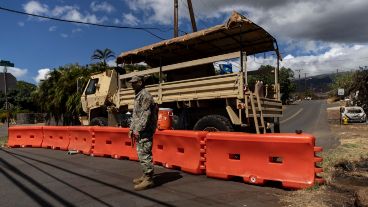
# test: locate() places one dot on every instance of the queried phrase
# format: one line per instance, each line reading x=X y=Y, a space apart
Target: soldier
x=142 y=128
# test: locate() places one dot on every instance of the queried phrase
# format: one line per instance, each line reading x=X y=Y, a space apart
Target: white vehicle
x=354 y=114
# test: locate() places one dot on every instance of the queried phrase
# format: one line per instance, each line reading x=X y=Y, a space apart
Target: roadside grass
x=344 y=161
x=3 y=140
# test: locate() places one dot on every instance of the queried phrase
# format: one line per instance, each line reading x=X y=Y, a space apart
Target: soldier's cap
x=135 y=79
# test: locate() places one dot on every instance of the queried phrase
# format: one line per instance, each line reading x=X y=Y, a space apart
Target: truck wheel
x=213 y=123
x=99 y=121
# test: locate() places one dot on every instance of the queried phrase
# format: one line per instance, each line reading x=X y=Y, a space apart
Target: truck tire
x=99 y=121
x=213 y=123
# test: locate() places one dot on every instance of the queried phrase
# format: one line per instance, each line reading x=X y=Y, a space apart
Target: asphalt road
x=311 y=117
x=43 y=177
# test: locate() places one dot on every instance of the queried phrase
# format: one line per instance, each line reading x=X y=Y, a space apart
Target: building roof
x=238 y=32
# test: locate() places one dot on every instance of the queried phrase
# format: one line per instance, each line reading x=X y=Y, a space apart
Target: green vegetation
x=353 y=82
x=19 y=100
x=102 y=55
x=266 y=73
x=3 y=140
x=59 y=95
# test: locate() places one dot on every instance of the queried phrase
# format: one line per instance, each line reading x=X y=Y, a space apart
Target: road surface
x=311 y=117
x=43 y=177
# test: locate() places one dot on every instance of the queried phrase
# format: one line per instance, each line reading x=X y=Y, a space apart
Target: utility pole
x=305 y=82
x=176 y=18
x=191 y=13
x=6 y=64
x=298 y=70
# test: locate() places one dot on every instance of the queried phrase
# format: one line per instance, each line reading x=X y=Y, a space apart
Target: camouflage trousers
x=144 y=150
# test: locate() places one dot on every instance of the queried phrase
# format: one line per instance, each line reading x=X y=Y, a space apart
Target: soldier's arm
x=146 y=113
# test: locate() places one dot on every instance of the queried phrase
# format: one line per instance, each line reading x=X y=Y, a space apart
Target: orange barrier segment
x=286 y=158
x=80 y=139
x=114 y=142
x=180 y=149
x=29 y=136
x=55 y=137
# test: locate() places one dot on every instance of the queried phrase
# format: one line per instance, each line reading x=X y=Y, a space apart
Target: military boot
x=146 y=183
x=136 y=181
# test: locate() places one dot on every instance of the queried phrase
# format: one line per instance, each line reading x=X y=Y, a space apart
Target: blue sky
x=312 y=35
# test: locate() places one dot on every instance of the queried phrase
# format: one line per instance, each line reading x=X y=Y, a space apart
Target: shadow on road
x=64 y=202
x=26 y=190
x=65 y=183
x=33 y=182
x=166 y=177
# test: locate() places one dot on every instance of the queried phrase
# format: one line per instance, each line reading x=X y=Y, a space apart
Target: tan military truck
x=188 y=82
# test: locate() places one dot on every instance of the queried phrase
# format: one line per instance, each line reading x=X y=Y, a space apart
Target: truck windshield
x=91 y=88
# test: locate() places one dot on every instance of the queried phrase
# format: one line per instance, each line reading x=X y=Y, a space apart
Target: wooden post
x=159 y=98
x=176 y=19
x=191 y=13
x=277 y=88
x=244 y=68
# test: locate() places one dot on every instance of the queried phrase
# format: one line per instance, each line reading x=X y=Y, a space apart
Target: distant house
x=10 y=80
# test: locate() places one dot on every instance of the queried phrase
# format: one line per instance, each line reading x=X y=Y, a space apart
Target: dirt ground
x=345 y=172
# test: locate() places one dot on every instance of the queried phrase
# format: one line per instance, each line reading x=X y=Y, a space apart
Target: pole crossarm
x=6 y=63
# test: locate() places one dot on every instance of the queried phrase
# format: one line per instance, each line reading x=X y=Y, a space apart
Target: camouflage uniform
x=144 y=122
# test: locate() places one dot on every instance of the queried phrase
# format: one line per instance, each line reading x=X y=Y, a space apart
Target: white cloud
x=52 y=29
x=298 y=19
x=21 y=24
x=63 y=35
x=154 y=11
x=338 y=56
x=34 y=7
x=111 y=63
x=17 y=72
x=42 y=74
x=103 y=6
x=67 y=12
x=60 y=10
x=72 y=13
x=130 y=19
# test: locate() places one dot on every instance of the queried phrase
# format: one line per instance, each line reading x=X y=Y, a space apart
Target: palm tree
x=102 y=55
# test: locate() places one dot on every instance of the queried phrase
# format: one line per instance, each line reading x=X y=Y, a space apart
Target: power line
x=146 y=29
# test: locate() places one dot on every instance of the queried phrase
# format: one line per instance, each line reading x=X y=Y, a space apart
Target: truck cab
x=98 y=95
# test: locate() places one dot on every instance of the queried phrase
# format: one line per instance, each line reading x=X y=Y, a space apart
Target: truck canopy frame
x=237 y=34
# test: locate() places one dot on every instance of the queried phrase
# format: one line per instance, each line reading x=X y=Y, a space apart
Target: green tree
x=23 y=98
x=266 y=73
x=287 y=86
x=342 y=80
x=58 y=96
x=102 y=55
x=360 y=83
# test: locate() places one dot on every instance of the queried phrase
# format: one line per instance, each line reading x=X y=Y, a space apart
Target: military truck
x=188 y=83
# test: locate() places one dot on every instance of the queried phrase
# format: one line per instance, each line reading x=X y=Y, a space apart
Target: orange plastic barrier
x=180 y=149
x=55 y=137
x=80 y=139
x=165 y=116
x=286 y=158
x=114 y=142
x=29 y=136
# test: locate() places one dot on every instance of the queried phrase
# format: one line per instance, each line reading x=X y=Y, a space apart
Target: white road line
x=294 y=115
